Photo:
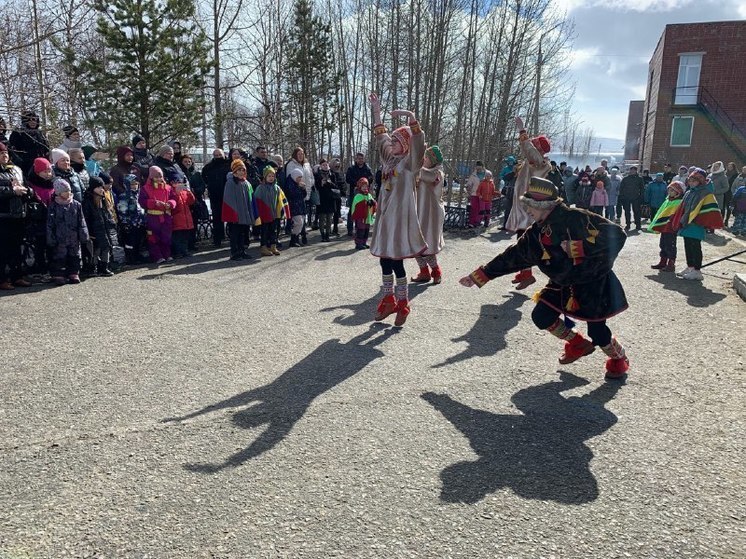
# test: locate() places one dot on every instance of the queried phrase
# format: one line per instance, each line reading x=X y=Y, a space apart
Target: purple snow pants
x=159 y=236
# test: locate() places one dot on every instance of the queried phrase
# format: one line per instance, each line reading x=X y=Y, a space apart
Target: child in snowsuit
x=486 y=193
x=159 y=202
x=599 y=198
x=362 y=210
x=131 y=219
x=182 y=219
x=102 y=229
x=661 y=223
x=66 y=229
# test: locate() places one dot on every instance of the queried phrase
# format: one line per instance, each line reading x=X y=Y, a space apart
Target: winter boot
x=303 y=237
x=73 y=278
x=102 y=270
x=294 y=241
x=423 y=276
x=274 y=250
x=670 y=266
x=402 y=312
x=576 y=348
x=617 y=364
x=437 y=275
x=660 y=265
x=523 y=279
x=265 y=251
x=386 y=307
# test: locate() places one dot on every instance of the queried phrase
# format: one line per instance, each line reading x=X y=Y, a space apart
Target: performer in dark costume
x=576 y=249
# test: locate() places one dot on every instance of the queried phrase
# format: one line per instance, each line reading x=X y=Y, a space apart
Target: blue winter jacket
x=655 y=193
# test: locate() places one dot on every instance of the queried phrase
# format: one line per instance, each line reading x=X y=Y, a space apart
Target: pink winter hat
x=155 y=172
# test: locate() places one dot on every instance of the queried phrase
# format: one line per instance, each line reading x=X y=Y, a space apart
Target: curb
x=739 y=283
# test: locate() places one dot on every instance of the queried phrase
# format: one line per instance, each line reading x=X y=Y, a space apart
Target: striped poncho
x=271 y=202
x=238 y=202
x=698 y=211
x=360 y=209
x=661 y=223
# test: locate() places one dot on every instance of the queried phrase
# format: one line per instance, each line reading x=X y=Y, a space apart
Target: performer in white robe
x=396 y=232
x=534 y=164
x=431 y=215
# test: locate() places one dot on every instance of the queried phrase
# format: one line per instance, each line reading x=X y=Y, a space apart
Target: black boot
x=103 y=270
x=303 y=238
x=294 y=241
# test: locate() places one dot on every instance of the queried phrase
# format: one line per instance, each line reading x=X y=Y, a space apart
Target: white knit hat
x=58 y=154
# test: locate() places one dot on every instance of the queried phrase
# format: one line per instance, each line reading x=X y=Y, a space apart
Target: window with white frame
x=681 y=131
x=687 y=82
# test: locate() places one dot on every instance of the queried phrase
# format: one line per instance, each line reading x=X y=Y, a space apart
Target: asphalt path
x=224 y=410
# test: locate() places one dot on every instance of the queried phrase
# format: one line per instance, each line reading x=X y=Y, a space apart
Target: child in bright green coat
x=362 y=210
x=661 y=223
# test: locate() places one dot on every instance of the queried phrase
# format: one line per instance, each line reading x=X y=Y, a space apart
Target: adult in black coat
x=631 y=192
x=214 y=173
x=340 y=190
x=28 y=142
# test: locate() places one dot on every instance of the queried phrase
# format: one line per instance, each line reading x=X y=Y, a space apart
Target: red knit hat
x=542 y=144
x=42 y=164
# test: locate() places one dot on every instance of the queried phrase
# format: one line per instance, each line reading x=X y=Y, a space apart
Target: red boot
x=523 y=279
x=575 y=349
x=617 y=368
x=437 y=275
x=660 y=265
x=386 y=307
x=423 y=276
x=402 y=312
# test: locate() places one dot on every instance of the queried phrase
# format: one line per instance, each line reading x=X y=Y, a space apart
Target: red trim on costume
x=479 y=277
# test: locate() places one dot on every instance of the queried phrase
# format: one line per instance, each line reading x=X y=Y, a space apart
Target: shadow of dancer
x=697 y=295
x=487 y=336
x=362 y=313
x=280 y=404
x=540 y=454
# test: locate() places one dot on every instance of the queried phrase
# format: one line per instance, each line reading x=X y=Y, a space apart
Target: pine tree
x=312 y=82
x=150 y=75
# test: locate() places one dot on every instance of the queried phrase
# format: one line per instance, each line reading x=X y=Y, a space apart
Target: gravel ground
x=221 y=410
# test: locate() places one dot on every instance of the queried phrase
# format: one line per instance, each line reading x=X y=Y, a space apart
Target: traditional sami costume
x=576 y=249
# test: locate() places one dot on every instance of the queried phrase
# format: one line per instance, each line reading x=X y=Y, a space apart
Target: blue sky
x=614 y=42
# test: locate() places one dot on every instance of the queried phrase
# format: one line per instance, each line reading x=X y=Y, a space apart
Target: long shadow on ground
x=280 y=404
x=487 y=336
x=540 y=454
x=697 y=295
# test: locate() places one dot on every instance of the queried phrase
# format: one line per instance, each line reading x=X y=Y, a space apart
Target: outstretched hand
x=402 y=112
x=374 y=100
x=466 y=281
x=519 y=124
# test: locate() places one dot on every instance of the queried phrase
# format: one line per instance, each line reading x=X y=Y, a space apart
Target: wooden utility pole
x=535 y=120
x=39 y=67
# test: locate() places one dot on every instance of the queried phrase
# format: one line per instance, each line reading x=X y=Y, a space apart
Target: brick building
x=634 y=129
x=695 y=106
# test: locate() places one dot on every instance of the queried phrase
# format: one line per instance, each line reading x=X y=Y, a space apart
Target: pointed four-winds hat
x=541 y=194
